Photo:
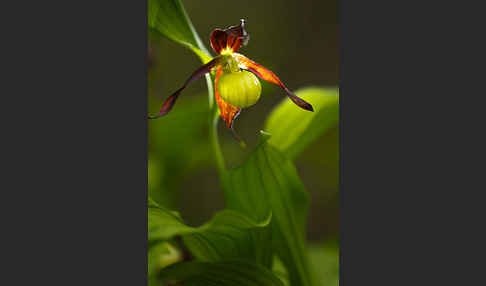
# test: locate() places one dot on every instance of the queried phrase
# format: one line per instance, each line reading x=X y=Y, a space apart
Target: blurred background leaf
x=293 y=129
x=178 y=146
x=325 y=262
x=269 y=181
x=237 y=273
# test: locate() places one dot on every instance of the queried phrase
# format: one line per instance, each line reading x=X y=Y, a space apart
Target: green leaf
x=279 y=269
x=293 y=129
x=269 y=181
x=237 y=273
x=162 y=255
x=169 y=18
x=225 y=236
x=324 y=259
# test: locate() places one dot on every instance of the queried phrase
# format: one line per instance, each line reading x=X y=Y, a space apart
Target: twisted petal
x=169 y=102
x=229 y=40
x=228 y=111
x=265 y=74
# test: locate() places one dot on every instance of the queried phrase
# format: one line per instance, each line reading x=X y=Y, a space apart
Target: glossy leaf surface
x=293 y=129
x=269 y=181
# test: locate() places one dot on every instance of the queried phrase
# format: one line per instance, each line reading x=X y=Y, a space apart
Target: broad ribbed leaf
x=235 y=273
x=169 y=18
x=293 y=129
x=269 y=181
x=225 y=236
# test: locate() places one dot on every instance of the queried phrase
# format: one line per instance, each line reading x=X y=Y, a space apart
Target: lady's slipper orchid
x=235 y=85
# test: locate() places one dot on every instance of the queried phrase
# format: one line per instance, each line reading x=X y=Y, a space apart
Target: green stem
x=213 y=127
x=213 y=110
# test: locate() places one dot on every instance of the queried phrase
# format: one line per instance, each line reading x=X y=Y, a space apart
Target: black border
x=406 y=184
x=76 y=156
x=75 y=164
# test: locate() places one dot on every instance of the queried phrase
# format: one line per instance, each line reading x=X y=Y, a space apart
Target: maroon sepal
x=231 y=38
x=169 y=102
x=268 y=75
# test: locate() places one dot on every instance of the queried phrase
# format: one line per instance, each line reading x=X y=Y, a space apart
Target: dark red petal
x=231 y=38
x=265 y=74
x=169 y=102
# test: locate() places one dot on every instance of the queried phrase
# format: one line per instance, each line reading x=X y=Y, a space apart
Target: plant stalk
x=213 y=126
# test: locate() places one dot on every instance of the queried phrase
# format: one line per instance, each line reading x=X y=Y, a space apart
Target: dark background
x=74 y=158
x=298 y=40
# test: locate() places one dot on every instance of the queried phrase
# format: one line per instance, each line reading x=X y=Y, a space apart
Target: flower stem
x=213 y=127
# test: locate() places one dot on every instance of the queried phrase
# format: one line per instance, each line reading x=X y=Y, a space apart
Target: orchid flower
x=236 y=86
